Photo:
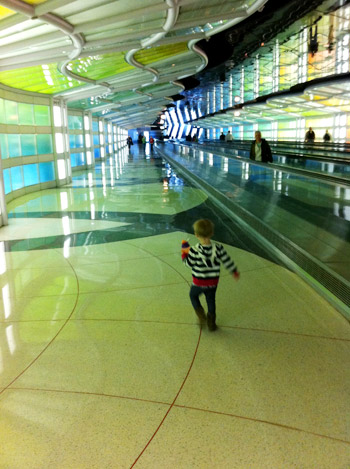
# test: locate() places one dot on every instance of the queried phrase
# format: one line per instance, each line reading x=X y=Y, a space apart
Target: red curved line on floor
x=267 y=422
x=172 y=404
x=90 y=393
x=182 y=406
x=54 y=337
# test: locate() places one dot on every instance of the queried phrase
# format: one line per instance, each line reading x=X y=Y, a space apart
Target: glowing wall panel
x=76 y=141
x=77 y=159
x=46 y=171
x=42 y=115
x=14 y=147
x=28 y=144
x=75 y=122
x=11 y=112
x=30 y=174
x=7 y=181
x=3 y=146
x=26 y=114
x=44 y=144
x=16 y=177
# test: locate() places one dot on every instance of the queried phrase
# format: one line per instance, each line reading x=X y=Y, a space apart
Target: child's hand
x=185 y=247
x=236 y=275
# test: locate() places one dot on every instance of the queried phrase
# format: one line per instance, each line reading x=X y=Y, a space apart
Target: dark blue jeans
x=209 y=293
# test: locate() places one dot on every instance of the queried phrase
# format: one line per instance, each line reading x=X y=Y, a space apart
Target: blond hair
x=203 y=228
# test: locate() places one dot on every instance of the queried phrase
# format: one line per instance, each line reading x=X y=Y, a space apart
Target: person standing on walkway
x=204 y=259
x=310 y=136
x=222 y=136
x=129 y=142
x=260 y=150
x=151 y=142
x=327 y=138
x=229 y=137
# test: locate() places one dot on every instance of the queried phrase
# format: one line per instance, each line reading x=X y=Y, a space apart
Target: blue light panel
x=175 y=120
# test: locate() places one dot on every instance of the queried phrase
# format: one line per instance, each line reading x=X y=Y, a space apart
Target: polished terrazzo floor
x=103 y=363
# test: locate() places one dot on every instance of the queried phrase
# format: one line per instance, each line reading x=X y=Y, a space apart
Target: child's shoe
x=200 y=314
x=211 y=323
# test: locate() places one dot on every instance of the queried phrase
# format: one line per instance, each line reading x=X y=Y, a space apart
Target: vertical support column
x=230 y=98
x=101 y=138
x=110 y=139
x=88 y=137
x=256 y=77
x=115 y=137
x=302 y=57
x=276 y=67
x=61 y=142
x=242 y=84
x=3 y=208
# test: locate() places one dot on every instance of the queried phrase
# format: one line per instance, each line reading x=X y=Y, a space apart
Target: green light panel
x=41 y=79
x=266 y=71
x=101 y=66
x=156 y=54
x=48 y=79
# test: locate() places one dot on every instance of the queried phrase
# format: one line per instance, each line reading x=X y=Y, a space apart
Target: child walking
x=204 y=259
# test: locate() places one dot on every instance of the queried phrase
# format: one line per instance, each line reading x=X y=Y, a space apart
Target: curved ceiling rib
x=172 y=15
x=61 y=24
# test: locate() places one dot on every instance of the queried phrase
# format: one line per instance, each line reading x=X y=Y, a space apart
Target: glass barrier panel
x=13 y=145
x=2 y=111
x=44 y=144
x=11 y=112
x=3 y=146
x=28 y=145
x=7 y=181
x=31 y=175
x=16 y=177
x=42 y=115
x=25 y=114
x=47 y=171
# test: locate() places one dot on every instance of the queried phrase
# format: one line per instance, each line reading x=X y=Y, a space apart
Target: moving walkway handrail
x=323 y=150
x=300 y=171
x=245 y=145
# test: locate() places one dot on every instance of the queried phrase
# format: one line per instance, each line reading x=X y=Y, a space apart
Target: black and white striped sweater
x=205 y=260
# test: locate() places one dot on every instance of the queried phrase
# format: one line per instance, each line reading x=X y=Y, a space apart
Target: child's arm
x=228 y=262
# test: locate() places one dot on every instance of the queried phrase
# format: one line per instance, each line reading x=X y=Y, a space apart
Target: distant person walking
x=229 y=137
x=143 y=140
x=260 y=150
x=327 y=138
x=151 y=142
x=129 y=142
x=222 y=136
x=310 y=136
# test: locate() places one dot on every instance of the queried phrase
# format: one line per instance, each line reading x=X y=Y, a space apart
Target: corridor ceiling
x=122 y=59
